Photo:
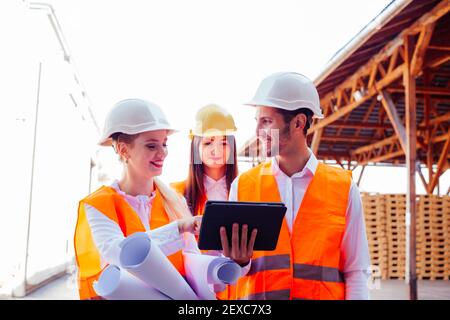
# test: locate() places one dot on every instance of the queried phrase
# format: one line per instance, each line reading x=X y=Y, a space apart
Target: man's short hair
x=289 y=115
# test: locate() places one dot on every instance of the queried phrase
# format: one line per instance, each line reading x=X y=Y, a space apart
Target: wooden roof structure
x=364 y=93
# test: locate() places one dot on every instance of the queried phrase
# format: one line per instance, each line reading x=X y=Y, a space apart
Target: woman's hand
x=241 y=252
x=191 y=225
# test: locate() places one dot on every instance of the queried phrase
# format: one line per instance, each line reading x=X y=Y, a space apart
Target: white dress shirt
x=354 y=248
x=215 y=190
x=107 y=234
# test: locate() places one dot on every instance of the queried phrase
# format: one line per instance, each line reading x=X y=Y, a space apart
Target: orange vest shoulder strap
x=179 y=186
x=249 y=182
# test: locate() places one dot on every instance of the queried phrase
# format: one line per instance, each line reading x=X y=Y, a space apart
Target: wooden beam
x=390 y=140
x=338 y=161
x=437 y=62
x=368 y=113
x=375 y=145
x=393 y=116
x=316 y=141
x=360 y=125
x=442 y=161
x=439 y=48
x=351 y=139
x=394 y=75
x=384 y=157
x=371 y=66
x=422 y=178
x=409 y=82
x=333 y=155
x=423 y=90
x=440 y=138
x=360 y=176
x=421 y=48
x=432 y=16
x=443 y=118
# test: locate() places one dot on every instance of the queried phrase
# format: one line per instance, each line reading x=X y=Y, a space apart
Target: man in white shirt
x=322 y=252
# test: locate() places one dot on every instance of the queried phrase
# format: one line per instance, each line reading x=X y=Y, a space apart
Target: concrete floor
x=398 y=290
x=65 y=288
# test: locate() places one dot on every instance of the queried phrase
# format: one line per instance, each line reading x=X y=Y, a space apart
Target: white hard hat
x=288 y=91
x=132 y=116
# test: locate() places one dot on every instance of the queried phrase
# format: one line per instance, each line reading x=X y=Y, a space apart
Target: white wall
x=40 y=193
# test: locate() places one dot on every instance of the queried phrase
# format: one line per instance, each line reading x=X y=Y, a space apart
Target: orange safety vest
x=114 y=206
x=180 y=187
x=306 y=264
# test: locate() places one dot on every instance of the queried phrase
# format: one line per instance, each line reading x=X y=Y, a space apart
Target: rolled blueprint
x=117 y=284
x=144 y=260
x=209 y=274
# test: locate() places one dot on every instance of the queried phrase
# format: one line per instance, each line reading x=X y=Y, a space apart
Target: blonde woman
x=138 y=202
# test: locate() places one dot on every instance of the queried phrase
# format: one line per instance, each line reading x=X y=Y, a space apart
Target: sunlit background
x=181 y=55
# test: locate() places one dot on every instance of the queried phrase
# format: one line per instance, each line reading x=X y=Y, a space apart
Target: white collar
x=207 y=180
x=115 y=186
x=311 y=166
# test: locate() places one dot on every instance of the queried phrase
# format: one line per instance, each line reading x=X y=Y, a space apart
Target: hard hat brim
x=107 y=141
x=212 y=133
x=273 y=105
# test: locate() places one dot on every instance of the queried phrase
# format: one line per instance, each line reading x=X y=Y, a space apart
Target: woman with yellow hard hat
x=138 y=202
x=213 y=161
x=212 y=169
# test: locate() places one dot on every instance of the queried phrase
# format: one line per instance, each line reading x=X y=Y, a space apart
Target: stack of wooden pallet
x=386 y=234
x=396 y=234
x=375 y=218
x=433 y=238
x=447 y=230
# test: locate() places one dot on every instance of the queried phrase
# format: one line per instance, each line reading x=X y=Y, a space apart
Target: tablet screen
x=267 y=217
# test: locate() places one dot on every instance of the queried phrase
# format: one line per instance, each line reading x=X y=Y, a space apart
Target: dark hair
x=195 y=189
x=123 y=137
x=289 y=115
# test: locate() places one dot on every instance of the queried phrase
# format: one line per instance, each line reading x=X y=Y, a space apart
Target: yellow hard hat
x=213 y=120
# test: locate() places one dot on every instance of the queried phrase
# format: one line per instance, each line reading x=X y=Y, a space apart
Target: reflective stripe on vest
x=281 y=261
x=269 y=295
x=307 y=262
x=319 y=273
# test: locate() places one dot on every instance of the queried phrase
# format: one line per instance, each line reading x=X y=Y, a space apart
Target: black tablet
x=267 y=217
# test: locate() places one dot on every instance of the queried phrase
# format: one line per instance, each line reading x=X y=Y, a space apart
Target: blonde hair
x=174 y=204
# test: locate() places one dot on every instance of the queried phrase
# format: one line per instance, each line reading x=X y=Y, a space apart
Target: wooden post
x=429 y=142
x=419 y=171
x=316 y=141
x=411 y=138
x=392 y=113
x=361 y=175
x=441 y=163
